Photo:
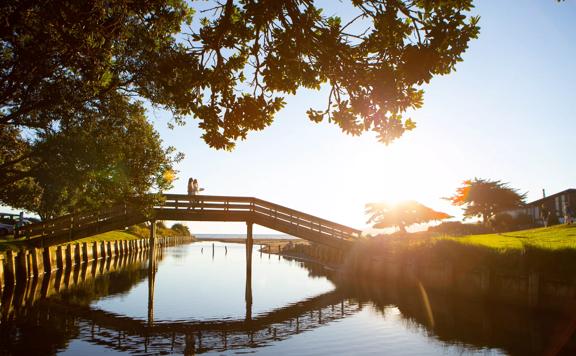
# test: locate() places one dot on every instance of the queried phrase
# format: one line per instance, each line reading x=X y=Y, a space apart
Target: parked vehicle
x=9 y=222
x=6 y=229
x=8 y=218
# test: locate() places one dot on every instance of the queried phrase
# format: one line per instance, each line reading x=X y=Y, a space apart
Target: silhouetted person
x=545 y=214
x=195 y=187
x=191 y=186
x=191 y=191
x=567 y=214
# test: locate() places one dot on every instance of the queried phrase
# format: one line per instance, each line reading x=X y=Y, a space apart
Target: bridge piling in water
x=151 y=272
x=21 y=266
x=248 y=288
x=152 y=241
x=10 y=268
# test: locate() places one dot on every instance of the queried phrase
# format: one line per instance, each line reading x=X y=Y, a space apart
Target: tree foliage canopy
x=402 y=215
x=485 y=198
x=181 y=229
x=96 y=162
x=229 y=65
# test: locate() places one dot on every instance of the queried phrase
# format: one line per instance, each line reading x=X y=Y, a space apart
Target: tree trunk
x=402 y=228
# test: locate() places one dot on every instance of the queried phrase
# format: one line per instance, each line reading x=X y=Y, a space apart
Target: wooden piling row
x=27 y=264
x=320 y=253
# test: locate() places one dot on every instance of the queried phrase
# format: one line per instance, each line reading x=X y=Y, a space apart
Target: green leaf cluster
x=485 y=198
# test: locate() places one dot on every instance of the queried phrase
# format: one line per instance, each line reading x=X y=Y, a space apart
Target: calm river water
x=197 y=301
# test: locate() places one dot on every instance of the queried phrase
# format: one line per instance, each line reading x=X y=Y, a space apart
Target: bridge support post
x=151 y=272
x=248 y=290
x=10 y=272
x=152 y=242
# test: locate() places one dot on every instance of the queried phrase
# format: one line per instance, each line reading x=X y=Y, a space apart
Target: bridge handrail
x=279 y=216
x=184 y=197
x=72 y=221
x=310 y=217
x=261 y=208
x=251 y=203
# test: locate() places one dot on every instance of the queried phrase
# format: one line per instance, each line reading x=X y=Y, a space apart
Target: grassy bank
x=109 y=236
x=547 y=250
x=557 y=237
x=529 y=268
x=132 y=233
x=22 y=244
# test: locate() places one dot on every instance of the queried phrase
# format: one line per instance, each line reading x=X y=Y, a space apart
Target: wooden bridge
x=192 y=208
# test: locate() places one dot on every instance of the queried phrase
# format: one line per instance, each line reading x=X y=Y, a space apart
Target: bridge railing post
x=71 y=228
x=98 y=221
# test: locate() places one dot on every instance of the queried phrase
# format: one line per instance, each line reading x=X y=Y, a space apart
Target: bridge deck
x=193 y=208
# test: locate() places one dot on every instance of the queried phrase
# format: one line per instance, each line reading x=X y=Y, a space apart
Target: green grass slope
x=548 y=238
x=22 y=244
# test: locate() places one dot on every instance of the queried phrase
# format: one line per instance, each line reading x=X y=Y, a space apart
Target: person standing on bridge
x=191 y=186
x=191 y=191
x=195 y=186
x=196 y=189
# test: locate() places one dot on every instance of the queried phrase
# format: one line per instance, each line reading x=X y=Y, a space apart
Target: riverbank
x=132 y=233
x=556 y=237
x=22 y=244
x=533 y=268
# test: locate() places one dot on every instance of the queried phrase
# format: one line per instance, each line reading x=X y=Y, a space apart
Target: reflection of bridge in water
x=135 y=335
x=44 y=298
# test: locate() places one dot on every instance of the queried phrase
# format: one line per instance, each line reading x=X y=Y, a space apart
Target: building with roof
x=556 y=204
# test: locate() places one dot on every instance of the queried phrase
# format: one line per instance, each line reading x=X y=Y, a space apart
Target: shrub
x=505 y=222
x=456 y=228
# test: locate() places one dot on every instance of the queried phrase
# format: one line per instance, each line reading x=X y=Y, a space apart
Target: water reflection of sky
x=191 y=285
x=370 y=332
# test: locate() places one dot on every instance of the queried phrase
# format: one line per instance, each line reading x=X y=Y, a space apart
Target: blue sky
x=507 y=113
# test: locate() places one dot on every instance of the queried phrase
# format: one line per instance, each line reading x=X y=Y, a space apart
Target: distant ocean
x=243 y=236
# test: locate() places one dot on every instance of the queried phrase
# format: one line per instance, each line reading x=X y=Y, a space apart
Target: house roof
x=8 y=214
x=542 y=200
